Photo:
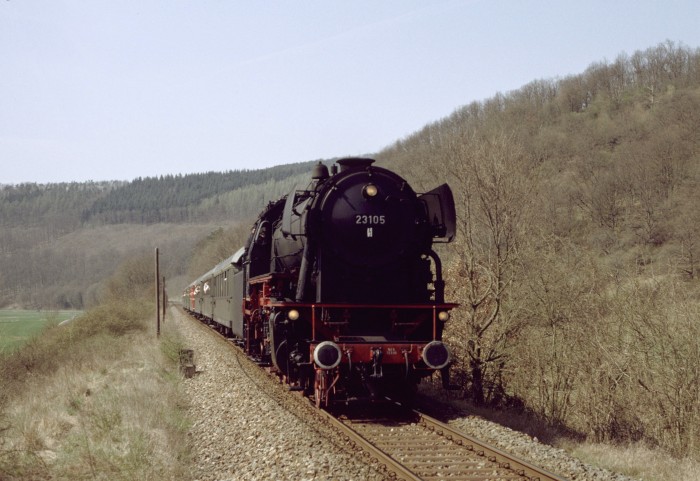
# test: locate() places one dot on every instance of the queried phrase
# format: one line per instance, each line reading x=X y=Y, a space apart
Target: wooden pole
x=157 y=295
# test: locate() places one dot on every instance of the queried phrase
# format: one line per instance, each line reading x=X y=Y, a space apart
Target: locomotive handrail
x=434 y=307
x=268 y=277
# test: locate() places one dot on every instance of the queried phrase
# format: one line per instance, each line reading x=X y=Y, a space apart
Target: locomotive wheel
x=281 y=358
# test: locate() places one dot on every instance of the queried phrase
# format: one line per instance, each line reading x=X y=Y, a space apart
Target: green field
x=16 y=326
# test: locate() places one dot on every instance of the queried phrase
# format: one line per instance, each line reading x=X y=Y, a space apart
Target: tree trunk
x=477 y=385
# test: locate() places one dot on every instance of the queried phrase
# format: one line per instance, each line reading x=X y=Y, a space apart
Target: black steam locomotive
x=338 y=286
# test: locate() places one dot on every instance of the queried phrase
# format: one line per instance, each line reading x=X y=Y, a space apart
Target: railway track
x=401 y=443
x=412 y=446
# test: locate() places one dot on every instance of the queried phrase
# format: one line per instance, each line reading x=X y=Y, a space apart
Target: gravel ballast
x=240 y=432
x=554 y=460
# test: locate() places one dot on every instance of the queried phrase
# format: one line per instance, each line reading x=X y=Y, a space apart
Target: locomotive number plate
x=370 y=219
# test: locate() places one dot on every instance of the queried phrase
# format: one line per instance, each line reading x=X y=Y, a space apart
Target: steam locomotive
x=338 y=289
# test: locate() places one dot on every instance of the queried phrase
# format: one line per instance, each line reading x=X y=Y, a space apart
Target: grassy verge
x=98 y=398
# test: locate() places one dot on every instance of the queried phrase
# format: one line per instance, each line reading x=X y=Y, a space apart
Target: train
x=339 y=289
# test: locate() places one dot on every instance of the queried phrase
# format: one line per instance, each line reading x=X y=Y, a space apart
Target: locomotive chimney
x=354 y=163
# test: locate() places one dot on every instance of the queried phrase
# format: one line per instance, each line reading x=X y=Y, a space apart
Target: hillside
x=608 y=159
x=578 y=250
x=59 y=241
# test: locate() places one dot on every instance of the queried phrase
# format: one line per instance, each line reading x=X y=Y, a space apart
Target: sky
x=115 y=90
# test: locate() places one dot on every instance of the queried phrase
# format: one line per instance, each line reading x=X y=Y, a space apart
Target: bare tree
x=490 y=175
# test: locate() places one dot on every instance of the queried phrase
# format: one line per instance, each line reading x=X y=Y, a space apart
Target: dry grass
x=109 y=407
x=638 y=461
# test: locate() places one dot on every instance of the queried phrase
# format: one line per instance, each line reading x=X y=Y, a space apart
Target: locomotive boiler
x=338 y=287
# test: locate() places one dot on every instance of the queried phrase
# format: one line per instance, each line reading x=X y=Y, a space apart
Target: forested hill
x=608 y=159
x=577 y=258
x=183 y=198
x=179 y=198
x=59 y=241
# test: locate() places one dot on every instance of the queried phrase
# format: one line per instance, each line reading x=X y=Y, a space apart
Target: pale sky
x=114 y=90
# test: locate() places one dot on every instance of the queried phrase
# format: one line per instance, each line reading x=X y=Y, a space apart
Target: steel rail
x=457 y=457
x=387 y=463
x=505 y=460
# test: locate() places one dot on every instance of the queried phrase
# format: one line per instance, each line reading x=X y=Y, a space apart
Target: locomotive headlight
x=370 y=190
x=293 y=315
x=444 y=316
